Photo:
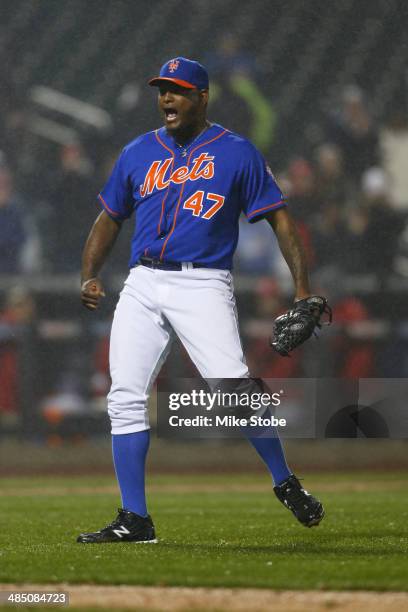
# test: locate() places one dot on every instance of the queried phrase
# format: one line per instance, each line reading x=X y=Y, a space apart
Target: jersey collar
x=213 y=130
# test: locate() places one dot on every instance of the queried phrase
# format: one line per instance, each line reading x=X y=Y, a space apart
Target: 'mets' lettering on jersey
x=159 y=177
x=187 y=202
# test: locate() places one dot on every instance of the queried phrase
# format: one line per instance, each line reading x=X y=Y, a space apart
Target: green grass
x=223 y=538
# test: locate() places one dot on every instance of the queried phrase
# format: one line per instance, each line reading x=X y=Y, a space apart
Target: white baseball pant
x=198 y=305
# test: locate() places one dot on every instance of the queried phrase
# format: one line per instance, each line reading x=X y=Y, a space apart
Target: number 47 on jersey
x=195 y=203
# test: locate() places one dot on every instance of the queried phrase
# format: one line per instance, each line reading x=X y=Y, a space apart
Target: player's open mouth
x=171 y=114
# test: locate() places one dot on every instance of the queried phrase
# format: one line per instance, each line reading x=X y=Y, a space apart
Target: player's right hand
x=91 y=293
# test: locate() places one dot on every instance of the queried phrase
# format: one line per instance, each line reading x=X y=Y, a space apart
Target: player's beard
x=183 y=128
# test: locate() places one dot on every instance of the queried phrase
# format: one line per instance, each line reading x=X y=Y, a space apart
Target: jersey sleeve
x=259 y=190
x=116 y=198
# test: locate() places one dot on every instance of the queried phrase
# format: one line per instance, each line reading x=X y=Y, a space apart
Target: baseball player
x=187 y=184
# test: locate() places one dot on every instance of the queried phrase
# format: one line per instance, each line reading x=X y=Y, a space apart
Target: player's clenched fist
x=91 y=292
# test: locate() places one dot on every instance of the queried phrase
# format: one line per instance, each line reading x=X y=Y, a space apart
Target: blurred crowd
x=349 y=197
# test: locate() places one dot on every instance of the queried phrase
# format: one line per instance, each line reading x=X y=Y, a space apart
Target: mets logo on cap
x=173 y=65
x=184 y=72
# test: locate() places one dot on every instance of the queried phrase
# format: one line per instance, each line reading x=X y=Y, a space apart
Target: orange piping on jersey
x=112 y=212
x=174 y=222
x=182 y=189
x=270 y=207
x=168 y=188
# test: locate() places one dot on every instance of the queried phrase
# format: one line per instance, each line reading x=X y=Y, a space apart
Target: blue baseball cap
x=184 y=72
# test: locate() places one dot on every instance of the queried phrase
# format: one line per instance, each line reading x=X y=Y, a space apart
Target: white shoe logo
x=121 y=532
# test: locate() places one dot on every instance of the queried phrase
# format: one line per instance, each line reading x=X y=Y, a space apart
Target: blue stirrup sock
x=271 y=451
x=129 y=457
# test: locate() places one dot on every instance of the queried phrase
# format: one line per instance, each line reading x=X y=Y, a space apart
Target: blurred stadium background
x=321 y=87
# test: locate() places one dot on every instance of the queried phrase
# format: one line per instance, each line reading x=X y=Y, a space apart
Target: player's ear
x=204 y=96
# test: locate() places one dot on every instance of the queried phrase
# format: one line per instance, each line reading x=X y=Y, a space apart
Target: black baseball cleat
x=307 y=509
x=127 y=527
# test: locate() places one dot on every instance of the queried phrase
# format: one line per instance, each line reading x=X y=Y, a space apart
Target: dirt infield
x=203 y=487
x=203 y=456
x=236 y=600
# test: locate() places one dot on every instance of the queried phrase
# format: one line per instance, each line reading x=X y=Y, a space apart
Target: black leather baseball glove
x=296 y=326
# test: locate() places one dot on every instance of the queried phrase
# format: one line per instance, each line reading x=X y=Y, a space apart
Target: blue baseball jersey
x=188 y=199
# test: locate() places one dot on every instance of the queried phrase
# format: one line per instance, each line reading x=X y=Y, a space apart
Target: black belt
x=156 y=264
